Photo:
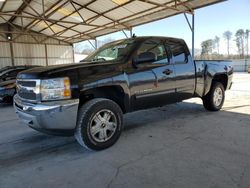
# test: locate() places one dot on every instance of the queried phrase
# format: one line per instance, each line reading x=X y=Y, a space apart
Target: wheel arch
x=115 y=93
x=222 y=78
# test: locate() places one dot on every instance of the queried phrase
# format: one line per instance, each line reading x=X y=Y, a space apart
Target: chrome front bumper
x=56 y=115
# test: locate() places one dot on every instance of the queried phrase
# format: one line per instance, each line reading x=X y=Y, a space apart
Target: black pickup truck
x=89 y=99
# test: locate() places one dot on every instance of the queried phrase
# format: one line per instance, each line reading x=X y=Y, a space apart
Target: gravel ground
x=179 y=145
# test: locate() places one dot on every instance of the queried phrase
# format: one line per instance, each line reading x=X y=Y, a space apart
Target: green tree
x=216 y=44
x=228 y=36
x=206 y=47
x=239 y=39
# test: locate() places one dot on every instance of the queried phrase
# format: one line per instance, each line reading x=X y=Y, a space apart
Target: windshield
x=114 y=51
x=4 y=71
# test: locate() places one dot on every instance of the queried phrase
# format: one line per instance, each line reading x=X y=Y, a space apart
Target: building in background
x=33 y=49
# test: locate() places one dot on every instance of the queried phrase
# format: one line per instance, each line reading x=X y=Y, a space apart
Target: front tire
x=214 y=100
x=99 y=124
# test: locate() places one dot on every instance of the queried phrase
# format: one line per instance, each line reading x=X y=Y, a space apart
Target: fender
x=119 y=82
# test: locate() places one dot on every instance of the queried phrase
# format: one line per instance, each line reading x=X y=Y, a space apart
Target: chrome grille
x=28 y=89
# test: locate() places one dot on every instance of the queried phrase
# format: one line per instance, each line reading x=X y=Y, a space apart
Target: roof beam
x=71 y=2
x=105 y=12
x=49 y=25
x=160 y=5
x=42 y=15
x=20 y=9
x=120 y=20
x=101 y=14
x=71 y=14
x=22 y=32
x=187 y=6
x=4 y=3
x=48 y=19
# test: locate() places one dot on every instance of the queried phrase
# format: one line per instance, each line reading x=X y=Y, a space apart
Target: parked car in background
x=8 y=82
x=89 y=99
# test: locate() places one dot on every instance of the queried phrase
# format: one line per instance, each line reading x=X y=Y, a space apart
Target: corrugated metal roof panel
x=69 y=33
x=160 y=1
x=101 y=21
x=102 y=5
x=22 y=22
x=141 y=15
x=119 y=13
x=81 y=28
x=86 y=14
x=12 y=5
x=100 y=16
x=138 y=6
x=83 y=2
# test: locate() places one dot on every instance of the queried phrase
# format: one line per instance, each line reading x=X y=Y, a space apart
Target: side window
x=179 y=53
x=157 y=48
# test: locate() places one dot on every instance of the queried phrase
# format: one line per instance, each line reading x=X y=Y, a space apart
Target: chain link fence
x=241 y=65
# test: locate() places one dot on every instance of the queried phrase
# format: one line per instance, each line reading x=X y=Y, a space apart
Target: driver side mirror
x=145 y=57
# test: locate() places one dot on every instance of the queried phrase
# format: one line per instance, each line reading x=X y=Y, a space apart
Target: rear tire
x=99 y=124
x=214 y=100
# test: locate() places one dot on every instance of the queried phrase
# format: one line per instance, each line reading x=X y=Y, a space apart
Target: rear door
x=153 y=83
x=184 y=70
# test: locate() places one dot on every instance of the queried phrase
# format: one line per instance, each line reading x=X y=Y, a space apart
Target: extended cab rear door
x=184 y=70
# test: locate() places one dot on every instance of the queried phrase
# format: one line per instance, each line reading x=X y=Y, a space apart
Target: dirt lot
x=179 y=145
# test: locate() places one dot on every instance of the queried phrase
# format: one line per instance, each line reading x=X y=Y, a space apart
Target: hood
x=70 y=70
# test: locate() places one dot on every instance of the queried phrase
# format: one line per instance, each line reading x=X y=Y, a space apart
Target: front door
x=152 y=83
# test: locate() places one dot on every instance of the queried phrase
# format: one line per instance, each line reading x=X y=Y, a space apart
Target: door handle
x=167 y=71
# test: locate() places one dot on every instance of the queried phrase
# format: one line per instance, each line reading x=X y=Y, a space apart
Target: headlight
x=55 y=89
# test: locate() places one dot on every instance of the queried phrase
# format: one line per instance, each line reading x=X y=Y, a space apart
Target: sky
x=210 y=21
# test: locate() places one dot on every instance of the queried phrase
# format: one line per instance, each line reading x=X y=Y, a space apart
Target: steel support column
x=73 y=52
x=12 y=54
x=125 y=33
x=46 y=55
x=93 y=45
x=192 y=28
x=96 y=44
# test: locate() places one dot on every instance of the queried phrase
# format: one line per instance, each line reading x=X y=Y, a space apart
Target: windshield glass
x=114 y=51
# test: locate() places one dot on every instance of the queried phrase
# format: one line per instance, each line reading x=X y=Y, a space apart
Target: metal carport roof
x=78 y=20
